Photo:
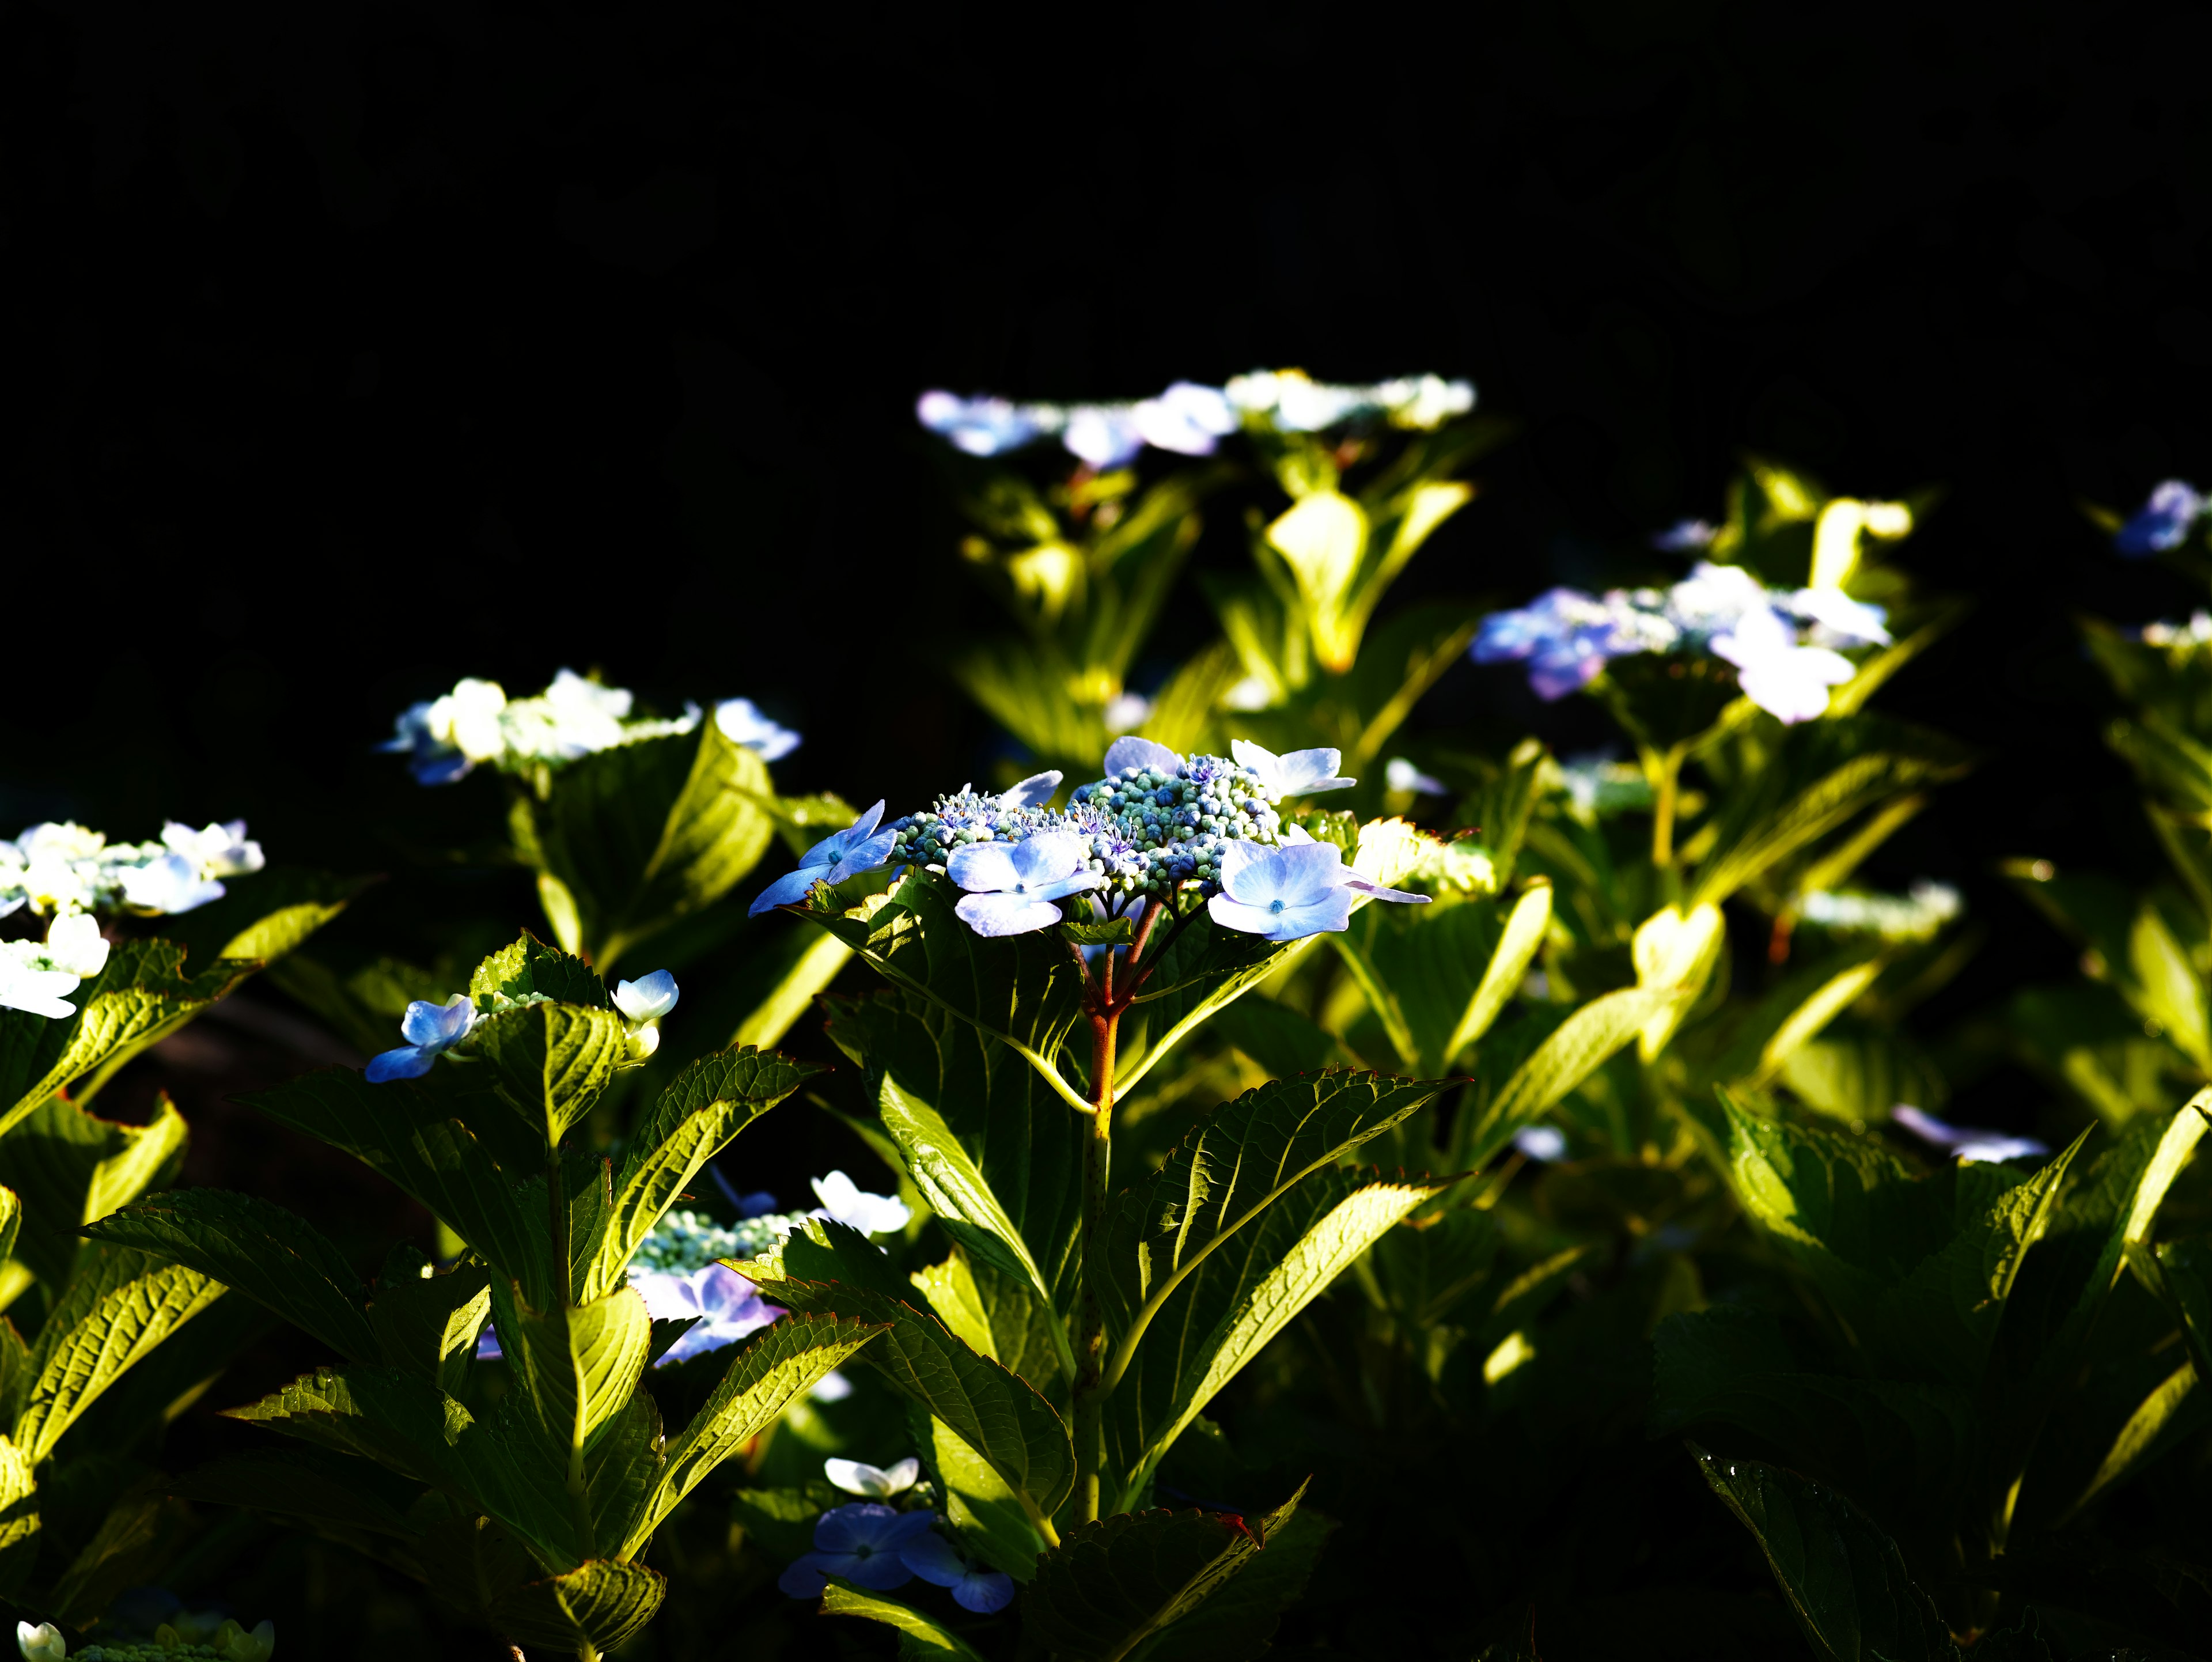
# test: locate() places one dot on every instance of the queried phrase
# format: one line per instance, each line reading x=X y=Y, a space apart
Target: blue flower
x=723 y=1305
x=1685 y=534
x=1012 y=885
x=863 y=1543
x=1129 y=753
x=428 y=1031
x=648 y=998
x=171 y=884
x=1300 y=772
x=1103 y=434
x=1187 y=419
x=1289 y=892
x=859 y=848
x=2163 y=523
x=932 y=1558
x=1966 y=1142
x=1564 y=635
x=1033 y=792
x=742 y=723
x=982 y=427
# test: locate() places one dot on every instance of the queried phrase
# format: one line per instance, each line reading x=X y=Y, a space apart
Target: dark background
x=351 y=349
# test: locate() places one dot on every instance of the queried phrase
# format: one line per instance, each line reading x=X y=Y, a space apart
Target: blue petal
x=993 y=915
x=787 y=891
x=984 y=1592
x=408 y=1061
x=864 y=857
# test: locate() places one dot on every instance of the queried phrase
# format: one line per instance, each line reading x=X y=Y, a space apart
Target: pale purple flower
x=1129 y=753
x=1967 y=1143
x=171 y=884
x=220 y=850
x=1012 y=885
x=848 y=1203
x=1837 y=620
x=726 y=1307
x=1714 y=597
x=1564 y=635
x=1103 y=434
x=648 y=998
x=1187 y=419
x=1296 y=773
x=875 y=1482
x=1289 y=892
x=859 y=848
x=2161 y=523
x=1785 y=679
x=863 y=1543
x=742 y=723
x=934 y=1559
x=1545 y=1144
x=1685 y=534
x=982 y=427
x=1033 y=792
x=429 y=1031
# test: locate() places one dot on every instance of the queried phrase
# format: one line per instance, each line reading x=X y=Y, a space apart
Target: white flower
x=845 y=1201
x=742 y=723
x=1403 y=777
x=76 y=945
x=1186 y=419
x=1839 y=620
x=1128 y=712
x=1714 y=598
x=218 y=850
x=1785 y=679
x=468 y=719
x=171 y=884
x=59 y=841
x=1297 y=773
x=1424 y=402
x=26 y=982
x=648 y=998
x=876 y=1482
x=43 y=1643
x=1033 y=792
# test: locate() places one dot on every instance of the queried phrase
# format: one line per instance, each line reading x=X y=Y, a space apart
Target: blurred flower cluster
x=1916 y=915
x=1190 y=419
x=1783 y=642
x=445 y=738
x=2163 y=522
x=62 y=868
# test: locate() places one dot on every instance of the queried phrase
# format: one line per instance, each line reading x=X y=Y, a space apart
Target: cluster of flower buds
x=63 y=869
x=445 y=738
x=431 y=1030
x=187 y=1639
x=1782 y=642
x=1189 y=419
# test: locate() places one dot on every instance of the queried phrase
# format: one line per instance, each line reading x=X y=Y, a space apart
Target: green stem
x=1664 y=789
x=1089 y=1398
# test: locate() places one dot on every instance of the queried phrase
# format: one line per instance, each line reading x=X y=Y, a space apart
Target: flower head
x=648 y=998
x=742 y=723
x=430 y=1030
x=980 y=426
x=1300 y=773
x=859 y=1542
x=171 y=884
x=29 y=981
x=1785 y=679
x=1404 y=777
x=42 y=1643
x=1685 y=534
x=1545 y=1144
x=75 y=944
x=1837 y=620
x=1187 y=419
x=859 y=848
x=935 y=1560
x=1012 y=885
x=845 y=1201
x=218 y=850
x=1033 y=792
x=2160 y=523
x=1566 y=637
x=876 y=1482
x=1287 y=893
x=723 y=1307
x=1103 y=434
x=1966 y=1142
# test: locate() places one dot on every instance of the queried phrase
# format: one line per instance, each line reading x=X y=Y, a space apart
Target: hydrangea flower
x=1545 y=1144
x=171 y=884
x=1403 y=778
x=1103 y=434
x=1187 y=419
x=2177 y=637
x=430 y=1031
x=860 y=1543
x=723 y=1305
x=2160 y=523
x=447 y=737
x=1966 y=1142
x=62 y=868
x=29 y=981
x=980 y=426
x=1914 y=916
x=223 y=850
x=876 y=1482
x=935 y=1560
x=1012 y=885
x=858 y=847
x=1301 y=773
x=742 y=723
x=845 y=1201
x=1566 y=638
x=41 y=1643
x=648 y=998
x=1286 y=893
x=1685 y=534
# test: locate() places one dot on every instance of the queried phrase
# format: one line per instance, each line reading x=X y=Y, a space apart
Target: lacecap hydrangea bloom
x=37 y=976
x=1188 y=418
x=445 y=739
x=62 y=868
x=1783 y=642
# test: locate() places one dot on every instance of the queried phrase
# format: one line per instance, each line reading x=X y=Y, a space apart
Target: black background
x=350 y=348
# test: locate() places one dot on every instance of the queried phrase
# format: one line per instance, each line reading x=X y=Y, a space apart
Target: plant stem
x=1090 y=1399
x=1664 y=792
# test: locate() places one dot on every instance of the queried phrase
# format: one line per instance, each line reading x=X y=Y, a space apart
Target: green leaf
x=430 y=1322
x=398 y=1131
x=1844 y=1579
x=576 y=1365
x=552 y=1061
x=254 y=1247
x=1025 y=991
x=70 y=1168
x=919 y=1636
x=129 y=1544
x=311 y=1483
x=764 y=1377
x=1281 y=1040
x=989 y=1515
x=1024 y=1144
x=19 y=1516
x=2174 y=1409
x=1238 y=1621
x=1200 y=973
x=2169 y=989
x=1580 y=1045
x=142 y=993
x=1219 y=1318
x=997 y=1314
x=529 y=969
x=121 y=1306
x=1113 y=931
x=1503 y=806
x=1239 y=1160
x=993 y=1411
x=643 y=834
x=600 y=1604
x=1113 y=1583
x=2184 y=1281
x=696 y=1118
